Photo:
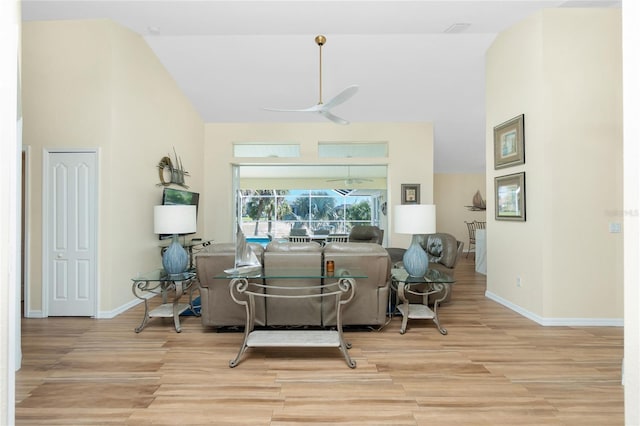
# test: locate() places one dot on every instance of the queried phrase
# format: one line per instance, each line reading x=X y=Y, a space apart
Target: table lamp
x=415 y=219
x=174 y=220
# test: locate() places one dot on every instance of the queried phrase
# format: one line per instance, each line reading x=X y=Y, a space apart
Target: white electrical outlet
x=518 y=282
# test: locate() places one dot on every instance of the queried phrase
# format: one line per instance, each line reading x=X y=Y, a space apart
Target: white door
x=70 y=209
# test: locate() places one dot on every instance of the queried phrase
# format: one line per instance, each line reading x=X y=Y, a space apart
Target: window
x=276 y=212
x=273 y=199
x=264 y=150
x=352 y=149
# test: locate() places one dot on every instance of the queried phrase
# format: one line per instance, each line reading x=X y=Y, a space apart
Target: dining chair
x=472 y=226
x=338 y=238
x=299 y=238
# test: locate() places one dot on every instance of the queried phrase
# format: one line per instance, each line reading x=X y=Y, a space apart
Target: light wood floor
x=493 y=368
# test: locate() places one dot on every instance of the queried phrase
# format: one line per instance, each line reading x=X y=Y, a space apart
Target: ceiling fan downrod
x=320 y=41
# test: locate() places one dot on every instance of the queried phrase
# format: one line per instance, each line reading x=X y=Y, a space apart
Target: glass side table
x=159 y=282
x=433 y=282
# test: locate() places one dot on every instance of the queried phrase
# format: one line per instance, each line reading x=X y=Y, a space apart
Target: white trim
x=123 y=308
x=10 y=152
x=26 y=262
x=557 y=322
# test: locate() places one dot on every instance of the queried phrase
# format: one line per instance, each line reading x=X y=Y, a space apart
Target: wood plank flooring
x=493 y=368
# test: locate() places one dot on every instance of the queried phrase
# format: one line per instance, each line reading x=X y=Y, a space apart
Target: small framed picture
x=410 y=193
x=510 y=197
x=508 y=143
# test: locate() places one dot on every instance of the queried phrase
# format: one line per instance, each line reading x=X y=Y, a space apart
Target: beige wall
x=452 y=192
x=562 y=69
x=416 y=138
x=93 y=84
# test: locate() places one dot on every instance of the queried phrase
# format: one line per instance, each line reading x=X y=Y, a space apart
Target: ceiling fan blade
x=315 y=108
x=320 y=109
x=332 y=117
x=341 y=97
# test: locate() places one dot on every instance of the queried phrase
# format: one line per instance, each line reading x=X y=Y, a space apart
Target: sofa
x=367 y=308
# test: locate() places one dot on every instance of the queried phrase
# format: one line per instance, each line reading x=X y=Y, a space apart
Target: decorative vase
x=415 y=259
x=175 y=257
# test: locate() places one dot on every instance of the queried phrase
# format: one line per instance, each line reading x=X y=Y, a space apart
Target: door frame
x=46 y=211
x=25 y=248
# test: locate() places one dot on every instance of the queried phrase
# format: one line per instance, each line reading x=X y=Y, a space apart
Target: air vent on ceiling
x=457 y=28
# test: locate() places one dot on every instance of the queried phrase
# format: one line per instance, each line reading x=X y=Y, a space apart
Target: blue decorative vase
x=415 y=259
x=175 y=258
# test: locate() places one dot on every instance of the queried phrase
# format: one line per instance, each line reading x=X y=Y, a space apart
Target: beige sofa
x=368 y=307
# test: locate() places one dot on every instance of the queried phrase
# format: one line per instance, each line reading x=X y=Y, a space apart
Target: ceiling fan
x=321 y=108
x=350 y=180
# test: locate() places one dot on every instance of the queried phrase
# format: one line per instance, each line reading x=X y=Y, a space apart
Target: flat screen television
x=172 y=196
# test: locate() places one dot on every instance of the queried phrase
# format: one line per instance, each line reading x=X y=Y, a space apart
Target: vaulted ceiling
x=418 y=60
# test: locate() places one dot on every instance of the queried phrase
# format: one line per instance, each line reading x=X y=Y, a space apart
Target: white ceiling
x=234 y=58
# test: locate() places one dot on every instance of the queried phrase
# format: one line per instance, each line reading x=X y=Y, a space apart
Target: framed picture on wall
x=508 y=143
x=410 y=193
x=510 y=197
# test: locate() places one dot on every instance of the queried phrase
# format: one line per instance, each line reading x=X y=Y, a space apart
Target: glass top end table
x=160 y=282
x=434 y=282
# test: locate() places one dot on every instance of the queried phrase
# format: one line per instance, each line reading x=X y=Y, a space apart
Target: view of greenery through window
x=277 y=212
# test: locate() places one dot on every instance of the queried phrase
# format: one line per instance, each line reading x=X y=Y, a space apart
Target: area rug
x=196 y=308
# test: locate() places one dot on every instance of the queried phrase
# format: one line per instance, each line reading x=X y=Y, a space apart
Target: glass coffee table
x=433 y=282
x=338 y=287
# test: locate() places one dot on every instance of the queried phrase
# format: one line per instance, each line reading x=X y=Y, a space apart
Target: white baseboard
x=557 y=322
x=102 y=314
x=34 y=314
x=115 y=312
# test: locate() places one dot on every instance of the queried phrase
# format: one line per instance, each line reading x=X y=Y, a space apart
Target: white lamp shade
x=415 y=219
x=174 y=219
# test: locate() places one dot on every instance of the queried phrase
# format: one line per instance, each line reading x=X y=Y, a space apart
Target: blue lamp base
x=415 y=259
x=175 y=257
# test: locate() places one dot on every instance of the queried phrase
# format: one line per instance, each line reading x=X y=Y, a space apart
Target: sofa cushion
x=286 y=246
x=231 y=247
x=218 y=308
x=298 y=311
x=369 y=304
x=352 y=248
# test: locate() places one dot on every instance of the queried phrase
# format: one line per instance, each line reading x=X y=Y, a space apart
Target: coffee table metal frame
x=246 y=289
